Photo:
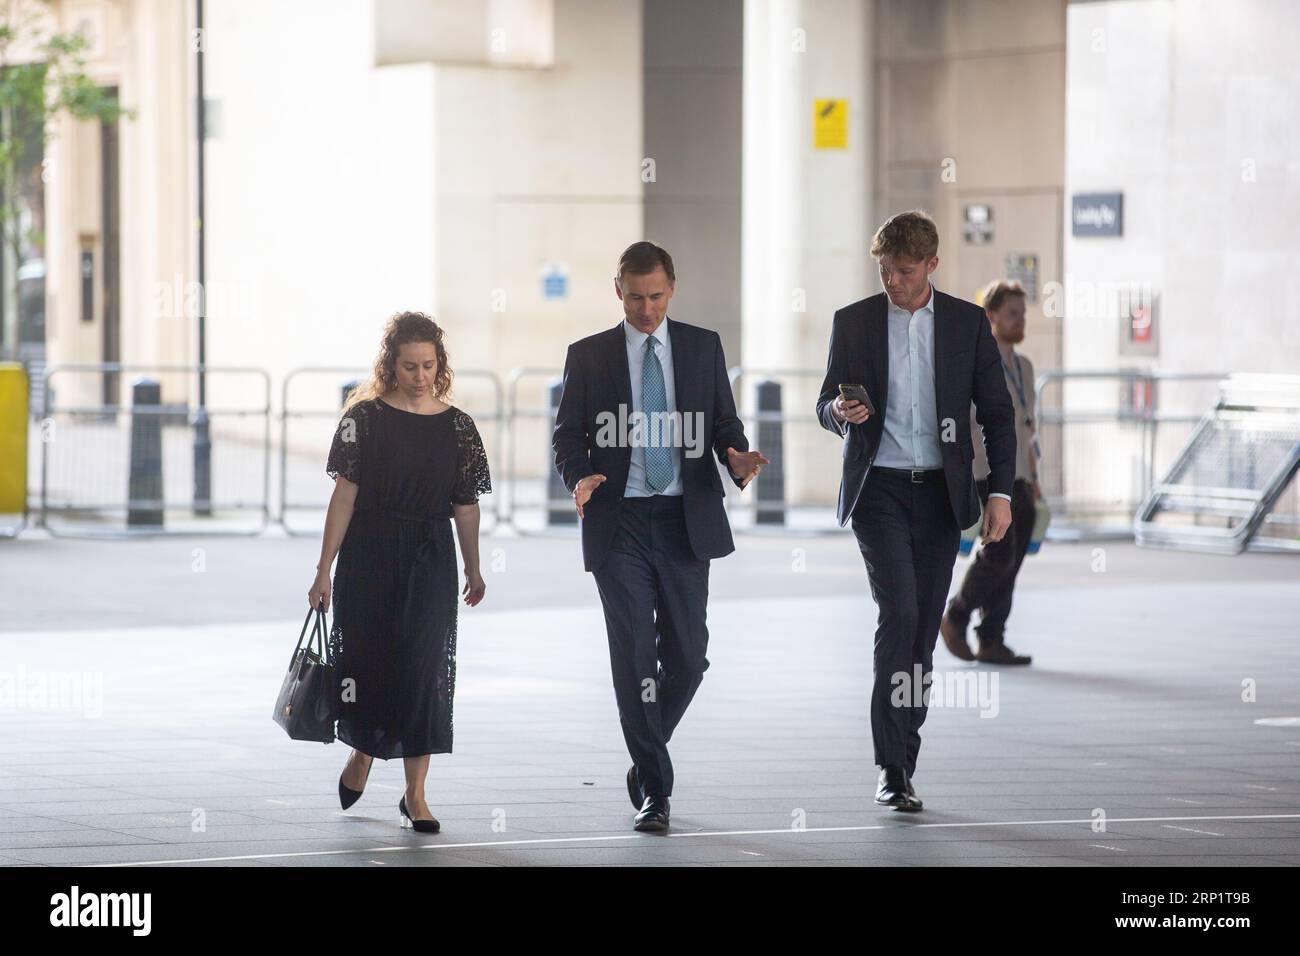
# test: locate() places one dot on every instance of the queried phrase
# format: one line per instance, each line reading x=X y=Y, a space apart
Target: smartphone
x=857 y=393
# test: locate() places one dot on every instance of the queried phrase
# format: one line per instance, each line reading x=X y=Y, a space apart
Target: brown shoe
x=1000 y=654
x=954 y=634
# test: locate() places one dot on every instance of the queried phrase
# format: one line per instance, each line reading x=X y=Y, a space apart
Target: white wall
x=806 y=222
x=320 y=186
x=341 y=192
x=1188 y=108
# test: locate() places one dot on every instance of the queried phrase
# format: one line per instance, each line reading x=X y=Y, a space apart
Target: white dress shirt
x=910 y=436
x=636 y=339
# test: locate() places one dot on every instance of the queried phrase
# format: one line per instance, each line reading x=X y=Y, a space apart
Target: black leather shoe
x=653 y=817
x=893 y=790
x=911 y=792
x=419 y=826
x=1000 y=654
x=348 y=796
x=634 y=788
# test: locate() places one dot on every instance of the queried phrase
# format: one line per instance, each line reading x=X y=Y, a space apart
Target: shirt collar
x=637 y=338
x=928 y=305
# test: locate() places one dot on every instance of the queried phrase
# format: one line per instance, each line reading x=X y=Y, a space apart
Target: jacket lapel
x=940 y=343
x=675 y=336
x=617 y=359
x=878 y=342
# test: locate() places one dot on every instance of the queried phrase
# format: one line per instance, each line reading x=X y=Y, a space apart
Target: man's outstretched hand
x=997 y=519
x=582 y=491
x=745 y=465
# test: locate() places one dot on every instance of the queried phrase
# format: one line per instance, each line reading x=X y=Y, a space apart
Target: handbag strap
x=317 y=632
x=322 y=630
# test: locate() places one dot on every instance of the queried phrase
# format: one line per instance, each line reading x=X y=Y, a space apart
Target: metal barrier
x=548 y=503
x=307 y=469
x=1105 y=437
x=1225 y=485
x=816 y=464
x=154 y=463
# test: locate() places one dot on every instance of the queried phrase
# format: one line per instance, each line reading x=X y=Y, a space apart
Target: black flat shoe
x=348 y=796
x=634 y=788
x=653 y=817
x=419 y=826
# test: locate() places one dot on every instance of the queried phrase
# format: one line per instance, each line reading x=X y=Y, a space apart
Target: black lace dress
x=396 y=591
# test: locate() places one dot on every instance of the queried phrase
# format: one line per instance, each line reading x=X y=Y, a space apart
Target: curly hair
x=910 y=235
x=403 y=328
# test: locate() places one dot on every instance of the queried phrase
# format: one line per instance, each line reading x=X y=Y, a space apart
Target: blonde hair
x=998 y=291
x=403 y=328
x=910 y=235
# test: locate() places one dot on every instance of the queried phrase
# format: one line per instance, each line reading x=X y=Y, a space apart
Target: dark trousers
x=654 y=591
x=908 y=536
x=991 y=577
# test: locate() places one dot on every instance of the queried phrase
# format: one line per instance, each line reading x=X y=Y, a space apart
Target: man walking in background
x=992 y=575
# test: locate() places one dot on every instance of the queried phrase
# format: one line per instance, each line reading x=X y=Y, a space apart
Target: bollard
x=145 y=481
x=14 y=392
x=202 y=506
x=769 y=487
x=559 y=503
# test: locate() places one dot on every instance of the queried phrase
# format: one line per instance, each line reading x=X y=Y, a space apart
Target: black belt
x=657 y=502
x=916 y=475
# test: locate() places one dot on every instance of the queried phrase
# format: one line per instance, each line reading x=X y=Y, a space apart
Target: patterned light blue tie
x=654 y=398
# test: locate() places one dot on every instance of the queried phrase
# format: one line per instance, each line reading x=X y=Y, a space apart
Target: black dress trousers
x=991 y=577
x=908 y=537
x=654 y=591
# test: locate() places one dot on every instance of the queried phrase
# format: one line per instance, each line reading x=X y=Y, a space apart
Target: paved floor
x=1134 y=739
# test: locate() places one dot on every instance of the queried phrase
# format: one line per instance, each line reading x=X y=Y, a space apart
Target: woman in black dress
x=406 y=464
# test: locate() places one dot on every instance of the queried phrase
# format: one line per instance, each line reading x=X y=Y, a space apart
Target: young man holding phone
x=919 y=358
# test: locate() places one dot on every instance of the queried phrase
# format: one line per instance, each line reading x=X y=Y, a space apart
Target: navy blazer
x=967 y=367
x=596 y=380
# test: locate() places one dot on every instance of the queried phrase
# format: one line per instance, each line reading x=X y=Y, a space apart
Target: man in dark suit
x=907 y=486
x=642 y=405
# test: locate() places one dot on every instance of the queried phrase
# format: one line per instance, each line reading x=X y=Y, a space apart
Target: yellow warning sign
x=830 y=124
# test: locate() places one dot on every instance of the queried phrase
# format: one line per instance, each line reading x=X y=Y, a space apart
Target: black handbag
x=308 y=704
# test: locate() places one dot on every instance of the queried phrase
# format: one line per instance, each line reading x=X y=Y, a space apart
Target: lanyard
x=1018 y=380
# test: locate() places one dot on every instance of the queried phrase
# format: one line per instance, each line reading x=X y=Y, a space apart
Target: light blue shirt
x=911 y=428
x=636 y=339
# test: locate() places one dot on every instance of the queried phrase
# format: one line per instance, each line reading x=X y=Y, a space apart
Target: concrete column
x=805 y=211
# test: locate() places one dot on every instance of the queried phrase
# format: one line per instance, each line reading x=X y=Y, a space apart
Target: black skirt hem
x=342 y=737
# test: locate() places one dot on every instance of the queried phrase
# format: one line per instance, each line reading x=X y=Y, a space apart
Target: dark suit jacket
x=596 y=380
x=966 y=367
